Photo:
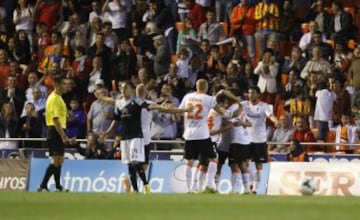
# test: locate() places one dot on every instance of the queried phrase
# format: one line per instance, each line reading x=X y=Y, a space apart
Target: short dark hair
x=129 y=83
x=255 y=88
x=58 y=77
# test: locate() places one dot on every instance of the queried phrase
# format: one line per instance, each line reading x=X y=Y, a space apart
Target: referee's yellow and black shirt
x=55 y=108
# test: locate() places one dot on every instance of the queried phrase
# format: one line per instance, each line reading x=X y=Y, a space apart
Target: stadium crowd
x=306 y=67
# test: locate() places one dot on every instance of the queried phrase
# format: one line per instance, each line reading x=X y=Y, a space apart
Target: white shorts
x=132 y=150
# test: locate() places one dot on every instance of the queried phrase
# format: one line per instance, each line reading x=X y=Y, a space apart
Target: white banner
x=330 y=178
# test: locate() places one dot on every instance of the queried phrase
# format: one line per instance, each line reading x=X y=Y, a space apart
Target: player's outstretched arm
x=169 y=109
x=105 y=99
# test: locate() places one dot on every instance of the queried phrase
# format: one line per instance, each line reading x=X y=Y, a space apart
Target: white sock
x=201 y=177
x=210 y=177
x=246 y=182
x=195 y=178
x=188 y=175
x=257 y=178
x=235 y=182
x=217 y=180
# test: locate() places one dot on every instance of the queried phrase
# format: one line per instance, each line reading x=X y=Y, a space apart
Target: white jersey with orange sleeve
x=195 y=122
x=257 y=115
x=214 y=123
x=239 y=134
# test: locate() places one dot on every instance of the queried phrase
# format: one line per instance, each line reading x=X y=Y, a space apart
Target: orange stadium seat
x=173 y=58
x=225 y=26
x=179 y=26
x=331 y=43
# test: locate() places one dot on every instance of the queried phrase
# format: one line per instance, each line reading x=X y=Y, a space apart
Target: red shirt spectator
x=49 y=12
x=302 y=133
x=4 y=68
x=196 y=14
x=243 y=18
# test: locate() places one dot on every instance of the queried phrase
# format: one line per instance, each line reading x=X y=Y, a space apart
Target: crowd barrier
x=334 y=174
x=165 y=176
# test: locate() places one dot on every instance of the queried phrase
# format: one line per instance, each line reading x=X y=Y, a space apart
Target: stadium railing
x=179 y=143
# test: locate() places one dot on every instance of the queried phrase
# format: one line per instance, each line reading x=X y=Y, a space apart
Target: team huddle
x=216 y=128
x=222 y=127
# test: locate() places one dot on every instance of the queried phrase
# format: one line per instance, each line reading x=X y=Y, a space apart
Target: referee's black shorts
x=55 y=144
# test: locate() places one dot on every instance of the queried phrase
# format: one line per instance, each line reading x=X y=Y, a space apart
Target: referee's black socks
x=49 y=171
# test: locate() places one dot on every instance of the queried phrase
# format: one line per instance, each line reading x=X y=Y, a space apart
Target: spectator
x=196 y=13
x=144 y=41
x=210 y=29
x=296 y=61
x=302 y=133
x=123 y=61
x=42 y=39
x=354 y=82
x=162 y=57
x=37 y=100
x=342 y=22
x=183 y=63
x=49 y=12
x=288 y=25
x=326 y=50
x=100 y=115
x=9 y=124
x=116 y=12
x=111 y=39
x=342 y=58
x=22 y=48
x=345 y=133
x=296 y=152
x=74 y=31
x=325 y=99
x=318 y=65
x=100 y=49
x=267 y=17
x=243 y=26
x=31 y=125
x=94 y=28
x=215 y=63
x=323 y=18
x=183 y=36
x=76 y=120
x=267 y=69
x=22 y=18
x=342 y=104
x=166 y=22
x=14 y=94
x=306 y=39
x=81 y=68
x=96 y=11
x=4 y=67
x=282 y=134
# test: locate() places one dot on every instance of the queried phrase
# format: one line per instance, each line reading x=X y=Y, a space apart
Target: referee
x=55 y=117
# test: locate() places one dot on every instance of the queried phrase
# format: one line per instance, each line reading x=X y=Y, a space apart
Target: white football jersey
x=214 y=123
x=257 y=115
x=195 y=122
x=239 y=134
x=146 y=118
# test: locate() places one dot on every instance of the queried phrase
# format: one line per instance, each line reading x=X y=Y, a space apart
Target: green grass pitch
x=98 y=206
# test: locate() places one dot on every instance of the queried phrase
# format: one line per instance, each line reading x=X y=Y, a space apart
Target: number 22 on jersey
x=196 y=113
